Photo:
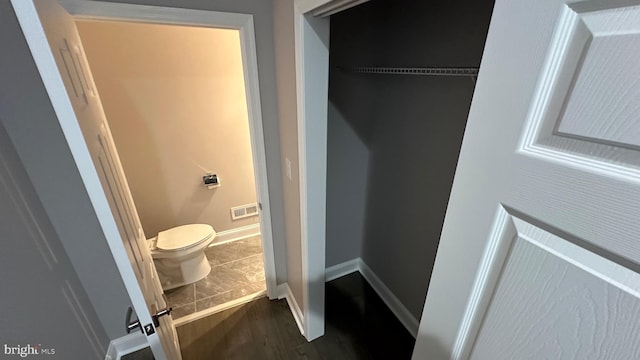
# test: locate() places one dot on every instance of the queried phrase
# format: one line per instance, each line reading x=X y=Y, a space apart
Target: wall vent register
x=244 y=211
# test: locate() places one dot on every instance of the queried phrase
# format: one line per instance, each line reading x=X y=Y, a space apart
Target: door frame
x=312 y=89
x=311 y=31
x=94 y=10
x=30 y=24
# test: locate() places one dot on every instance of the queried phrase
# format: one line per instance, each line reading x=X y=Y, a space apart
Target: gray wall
x=347 y=169
x=412 y=127
x=34 y=264
x=414 y=151
x=352 y=107
x=27 y=114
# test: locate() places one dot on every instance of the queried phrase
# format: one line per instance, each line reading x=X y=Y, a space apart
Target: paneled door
x=539 y=256
x=56 y=44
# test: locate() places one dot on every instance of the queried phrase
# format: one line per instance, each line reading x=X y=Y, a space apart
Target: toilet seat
x=183 y=237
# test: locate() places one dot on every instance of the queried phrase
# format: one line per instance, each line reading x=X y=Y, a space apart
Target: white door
x=146 y=293
x=34 y=266
x=540 y=251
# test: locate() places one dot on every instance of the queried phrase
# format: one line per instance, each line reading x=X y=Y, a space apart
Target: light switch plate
x=288 y=165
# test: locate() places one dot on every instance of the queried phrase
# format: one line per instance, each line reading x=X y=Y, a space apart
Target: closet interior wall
x=394 y=140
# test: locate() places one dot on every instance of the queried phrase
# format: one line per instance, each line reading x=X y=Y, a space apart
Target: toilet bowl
x=178 y=254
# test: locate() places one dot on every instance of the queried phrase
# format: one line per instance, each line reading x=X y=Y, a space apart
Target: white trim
x=336 y=6
x=302 y=172
x=393 y=303
x=258 y=150
x=218 y=308
x=98 y=10
x=30 y=24
x=126 y=345
x=83 y=9
x=284 y=292
x=238 y=233
x=396 y=306
x=312 y=86
x=342 y=269
x=37 y=41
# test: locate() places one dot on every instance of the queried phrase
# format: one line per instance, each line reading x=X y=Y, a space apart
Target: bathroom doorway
x=175 y=100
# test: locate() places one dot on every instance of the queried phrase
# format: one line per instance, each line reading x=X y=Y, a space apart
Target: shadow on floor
x=358 y=326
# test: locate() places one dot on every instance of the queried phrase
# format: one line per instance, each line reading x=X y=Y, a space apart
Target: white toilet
x=178 y=254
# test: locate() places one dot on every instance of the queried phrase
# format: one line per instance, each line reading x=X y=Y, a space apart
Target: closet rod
x=424 y=71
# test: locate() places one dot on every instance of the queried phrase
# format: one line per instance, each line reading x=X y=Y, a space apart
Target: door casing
x=152 y=14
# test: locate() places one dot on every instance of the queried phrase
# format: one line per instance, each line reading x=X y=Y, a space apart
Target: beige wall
x=27 y=115
x=283 y=29
x=175 y=102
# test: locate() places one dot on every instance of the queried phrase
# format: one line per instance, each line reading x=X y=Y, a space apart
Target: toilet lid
x=183 y=236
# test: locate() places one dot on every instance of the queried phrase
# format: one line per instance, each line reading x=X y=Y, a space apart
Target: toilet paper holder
x=211 y=180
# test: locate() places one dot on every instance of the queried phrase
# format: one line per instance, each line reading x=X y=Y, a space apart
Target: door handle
x=131 y=325
x=163 y=312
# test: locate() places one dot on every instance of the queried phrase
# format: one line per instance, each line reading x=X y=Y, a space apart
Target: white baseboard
x=340 y=270
x=394 y=304
x=243 y=232
x=398 y=309
x=125 y=345
x=284 y=292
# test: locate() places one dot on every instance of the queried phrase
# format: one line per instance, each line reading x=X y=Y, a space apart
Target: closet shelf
x=423 y=71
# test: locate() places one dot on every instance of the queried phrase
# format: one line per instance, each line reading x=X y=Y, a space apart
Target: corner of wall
x=283 y=33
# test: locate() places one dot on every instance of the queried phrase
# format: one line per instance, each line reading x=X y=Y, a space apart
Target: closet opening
x=401 y=82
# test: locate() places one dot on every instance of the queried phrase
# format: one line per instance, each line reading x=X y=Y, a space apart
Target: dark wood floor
x=358 y=326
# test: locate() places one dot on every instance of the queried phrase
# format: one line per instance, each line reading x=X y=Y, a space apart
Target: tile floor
x=237 y=270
